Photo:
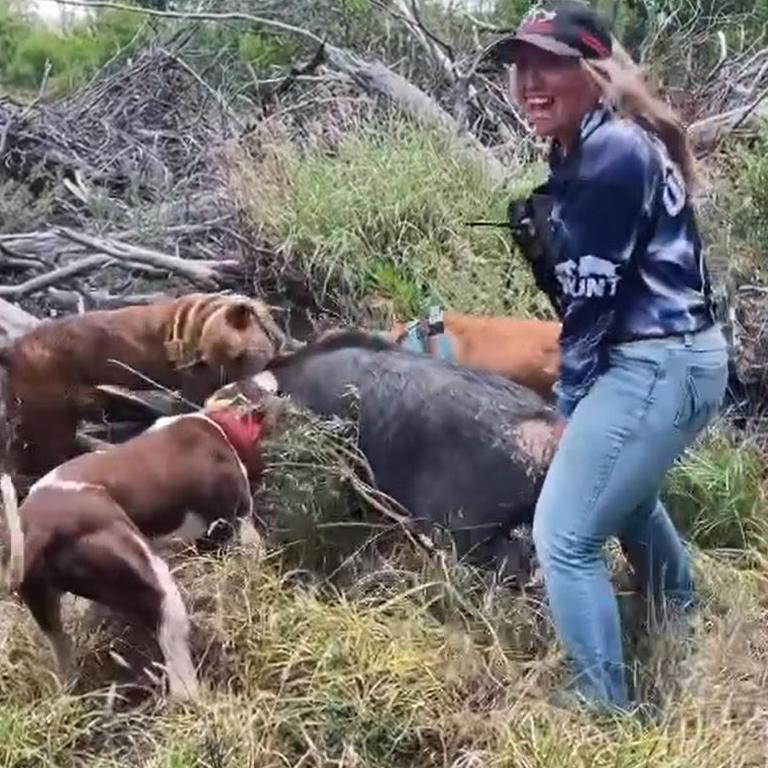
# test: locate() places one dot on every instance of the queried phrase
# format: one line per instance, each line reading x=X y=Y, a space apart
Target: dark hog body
x=464 y=449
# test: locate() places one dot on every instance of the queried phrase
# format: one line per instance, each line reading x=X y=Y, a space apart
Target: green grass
x=394 y=660
x=317 y=677
x=383 y=215
x=717 y=494
x=338 y=651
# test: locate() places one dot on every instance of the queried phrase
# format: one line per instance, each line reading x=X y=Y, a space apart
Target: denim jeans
x=653 y=400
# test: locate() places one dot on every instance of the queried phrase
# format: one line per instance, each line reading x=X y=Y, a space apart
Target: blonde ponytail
x=622 y=84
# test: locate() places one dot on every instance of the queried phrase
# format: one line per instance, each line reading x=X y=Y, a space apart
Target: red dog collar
x=242 y=430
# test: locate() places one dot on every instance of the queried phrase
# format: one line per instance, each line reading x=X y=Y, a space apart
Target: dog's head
x=218 y=339
x=239 y=339
x=249 y=406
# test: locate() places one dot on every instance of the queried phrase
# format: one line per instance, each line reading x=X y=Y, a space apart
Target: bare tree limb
x=436 y=49
x=206 y=274
x=14 y=322
x=299 y=72
x=51 y=278
x=195 y=16
x=71 y=300
x=707 y=132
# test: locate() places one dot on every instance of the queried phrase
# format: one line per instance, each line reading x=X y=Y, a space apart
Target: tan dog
x=193 y=344
x=86 y=527
x=524 y=350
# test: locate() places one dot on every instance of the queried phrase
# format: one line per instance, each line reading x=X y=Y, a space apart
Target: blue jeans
x=651 y=403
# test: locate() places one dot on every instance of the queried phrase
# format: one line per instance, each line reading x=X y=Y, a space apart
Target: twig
x=217 y=96
x=404 y=523
x=750 y=109
x=367 y=492
x=44 y=81
x=26 y=111
x=151 y=381
x=431 y=35
x=298 y=72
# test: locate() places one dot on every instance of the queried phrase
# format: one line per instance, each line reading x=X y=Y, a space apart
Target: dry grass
x=383 y=658
x=407 y=675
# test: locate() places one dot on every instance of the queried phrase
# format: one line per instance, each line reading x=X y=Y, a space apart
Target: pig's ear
x=240 y=315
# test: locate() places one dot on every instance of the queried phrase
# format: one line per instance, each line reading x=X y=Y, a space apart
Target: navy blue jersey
x=628 y=254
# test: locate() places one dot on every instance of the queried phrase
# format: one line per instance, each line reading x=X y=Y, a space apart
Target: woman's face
x=555 y=91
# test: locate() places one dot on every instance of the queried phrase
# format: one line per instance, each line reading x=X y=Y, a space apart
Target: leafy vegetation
x=28 y=48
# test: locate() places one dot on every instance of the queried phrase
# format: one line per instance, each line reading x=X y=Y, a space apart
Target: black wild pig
x=463 y=449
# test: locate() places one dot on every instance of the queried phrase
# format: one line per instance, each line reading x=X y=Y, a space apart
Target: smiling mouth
x=539 y=106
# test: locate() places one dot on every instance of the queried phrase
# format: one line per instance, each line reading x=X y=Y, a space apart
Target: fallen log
x=376 y=76
x=706 y=133
x=13 y=322
x=71 y=301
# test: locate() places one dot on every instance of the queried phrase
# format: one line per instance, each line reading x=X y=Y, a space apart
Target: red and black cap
x=566 y=29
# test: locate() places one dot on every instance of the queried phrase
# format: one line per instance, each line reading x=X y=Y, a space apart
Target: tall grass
x=717 y=494
x=316 y=677
x=384 y=214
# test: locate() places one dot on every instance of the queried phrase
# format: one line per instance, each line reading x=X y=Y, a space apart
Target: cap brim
x=505 y=51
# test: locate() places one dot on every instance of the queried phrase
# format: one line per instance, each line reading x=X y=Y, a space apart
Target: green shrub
x=265 y=50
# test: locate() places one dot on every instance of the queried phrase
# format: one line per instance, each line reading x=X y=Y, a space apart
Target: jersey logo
x=673 y=193
x=674 y=190
x=590 y=277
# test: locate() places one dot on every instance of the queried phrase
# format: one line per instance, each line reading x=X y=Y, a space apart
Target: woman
x=643 y=360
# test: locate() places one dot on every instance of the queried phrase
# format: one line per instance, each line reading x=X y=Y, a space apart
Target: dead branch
x=299 y=72
x=206 y=274
x=440 y=52
x=51 y=278
x=14 y=322
x=196 y=16
x=216 y=96
x=73 y=300
x=707 y=132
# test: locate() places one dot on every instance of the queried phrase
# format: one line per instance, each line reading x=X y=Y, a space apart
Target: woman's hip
x=648 y=406
x=676 y=384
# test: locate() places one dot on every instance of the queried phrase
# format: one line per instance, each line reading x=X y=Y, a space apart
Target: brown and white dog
x=524 y=350
x=194 y=344
x=86 y=527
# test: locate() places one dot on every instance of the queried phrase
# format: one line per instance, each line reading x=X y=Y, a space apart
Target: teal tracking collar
x=420 y=334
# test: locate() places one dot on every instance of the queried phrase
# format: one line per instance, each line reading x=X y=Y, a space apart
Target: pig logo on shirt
x=590 y=277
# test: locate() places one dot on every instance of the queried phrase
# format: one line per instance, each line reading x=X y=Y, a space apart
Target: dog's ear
x=240 y=315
